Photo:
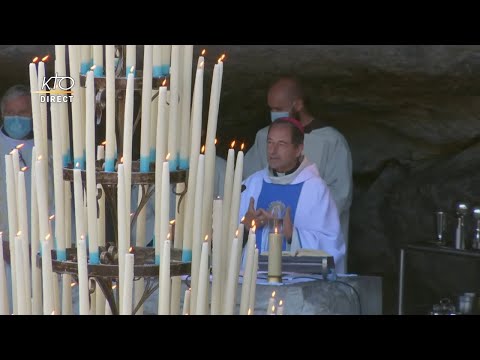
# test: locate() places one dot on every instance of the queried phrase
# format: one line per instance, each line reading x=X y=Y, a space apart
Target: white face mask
x=274 y=115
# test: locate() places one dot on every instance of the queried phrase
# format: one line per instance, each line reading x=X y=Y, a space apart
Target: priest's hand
x=250 y=215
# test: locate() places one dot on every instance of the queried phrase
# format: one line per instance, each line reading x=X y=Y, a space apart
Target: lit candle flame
x=77 y=165
x=19 y=233
x=232 y=145
x=19 y=146
x=221 y=58
x=203 y=52
x=168 y=236
x=206 y=238
x=93 y=67
x=164 y=82
x=252 y=224
x=167 y=157
x=276 y=230
x=202 y=150
x=273 y=309
x=121 y=159
x=280 y=303
x=215 y=142
x=51 y=217
x=104 y=142
x=236 y=233
x=25 y=168
x=47 y=237
x=249 y=312
x=53 y=312
x=130 y=249
x=242 y=146
x=243 y=219
x=39 y=157
x=273 y=294
x=114 y=286
x=35 y=59
x=171 y=222
x=132 y=69
x=72 y=284
x=45 y=58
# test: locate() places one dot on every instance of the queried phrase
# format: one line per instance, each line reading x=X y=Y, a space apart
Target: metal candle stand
x=106 y=273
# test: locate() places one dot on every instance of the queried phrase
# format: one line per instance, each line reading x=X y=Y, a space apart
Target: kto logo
x=58 y=92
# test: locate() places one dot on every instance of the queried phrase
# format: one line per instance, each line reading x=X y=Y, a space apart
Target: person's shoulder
x=327 y=134
x=263 y=131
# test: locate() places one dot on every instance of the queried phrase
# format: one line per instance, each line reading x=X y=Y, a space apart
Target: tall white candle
x=248 y=272
x=43 y=109
x=232 y=279
x=127 y=154
x=165 y=57
x=21 y=275
x=82 y=275
x=98 y=60
x=157 y=61
x=37 y=302
x=146 y=107
x=253 y=283
x=186 y=105
x=236 y=190
x=91 y=170
x=100 y=152
x=227 y=202
x=35 y=99
x=131 y=58
x=78 y=200
x=47 y=276
x=4 y=306
x=186 y=302
x=203 y=280
x=85 y=58
x=12 y=223
x=153 y=125
x=23 y=229
x=160 y=156
x=122 y=218
x=164 y=211
x=196 y=234
x=127 y=300
x=76 y=106
x=173 y=115
x=217 y=263
x=58 y=180
x=61 y=70
x=110 y=108
x=194 y=154
x=164 y=276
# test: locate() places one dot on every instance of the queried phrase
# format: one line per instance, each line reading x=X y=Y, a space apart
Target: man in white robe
x=323 y=145
x=291 y=181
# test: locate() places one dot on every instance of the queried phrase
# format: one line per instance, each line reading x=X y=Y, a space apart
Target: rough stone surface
x=409 y=113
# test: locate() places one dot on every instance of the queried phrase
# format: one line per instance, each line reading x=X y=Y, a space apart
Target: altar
x=307 y=294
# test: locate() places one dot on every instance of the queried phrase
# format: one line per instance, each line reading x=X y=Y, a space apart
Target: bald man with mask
x=323 y=145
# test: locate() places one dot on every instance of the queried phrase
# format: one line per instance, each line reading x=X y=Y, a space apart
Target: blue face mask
x=17 y=127
x=278 y=114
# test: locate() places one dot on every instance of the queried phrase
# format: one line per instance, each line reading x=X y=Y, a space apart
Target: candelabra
x=107 y=272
